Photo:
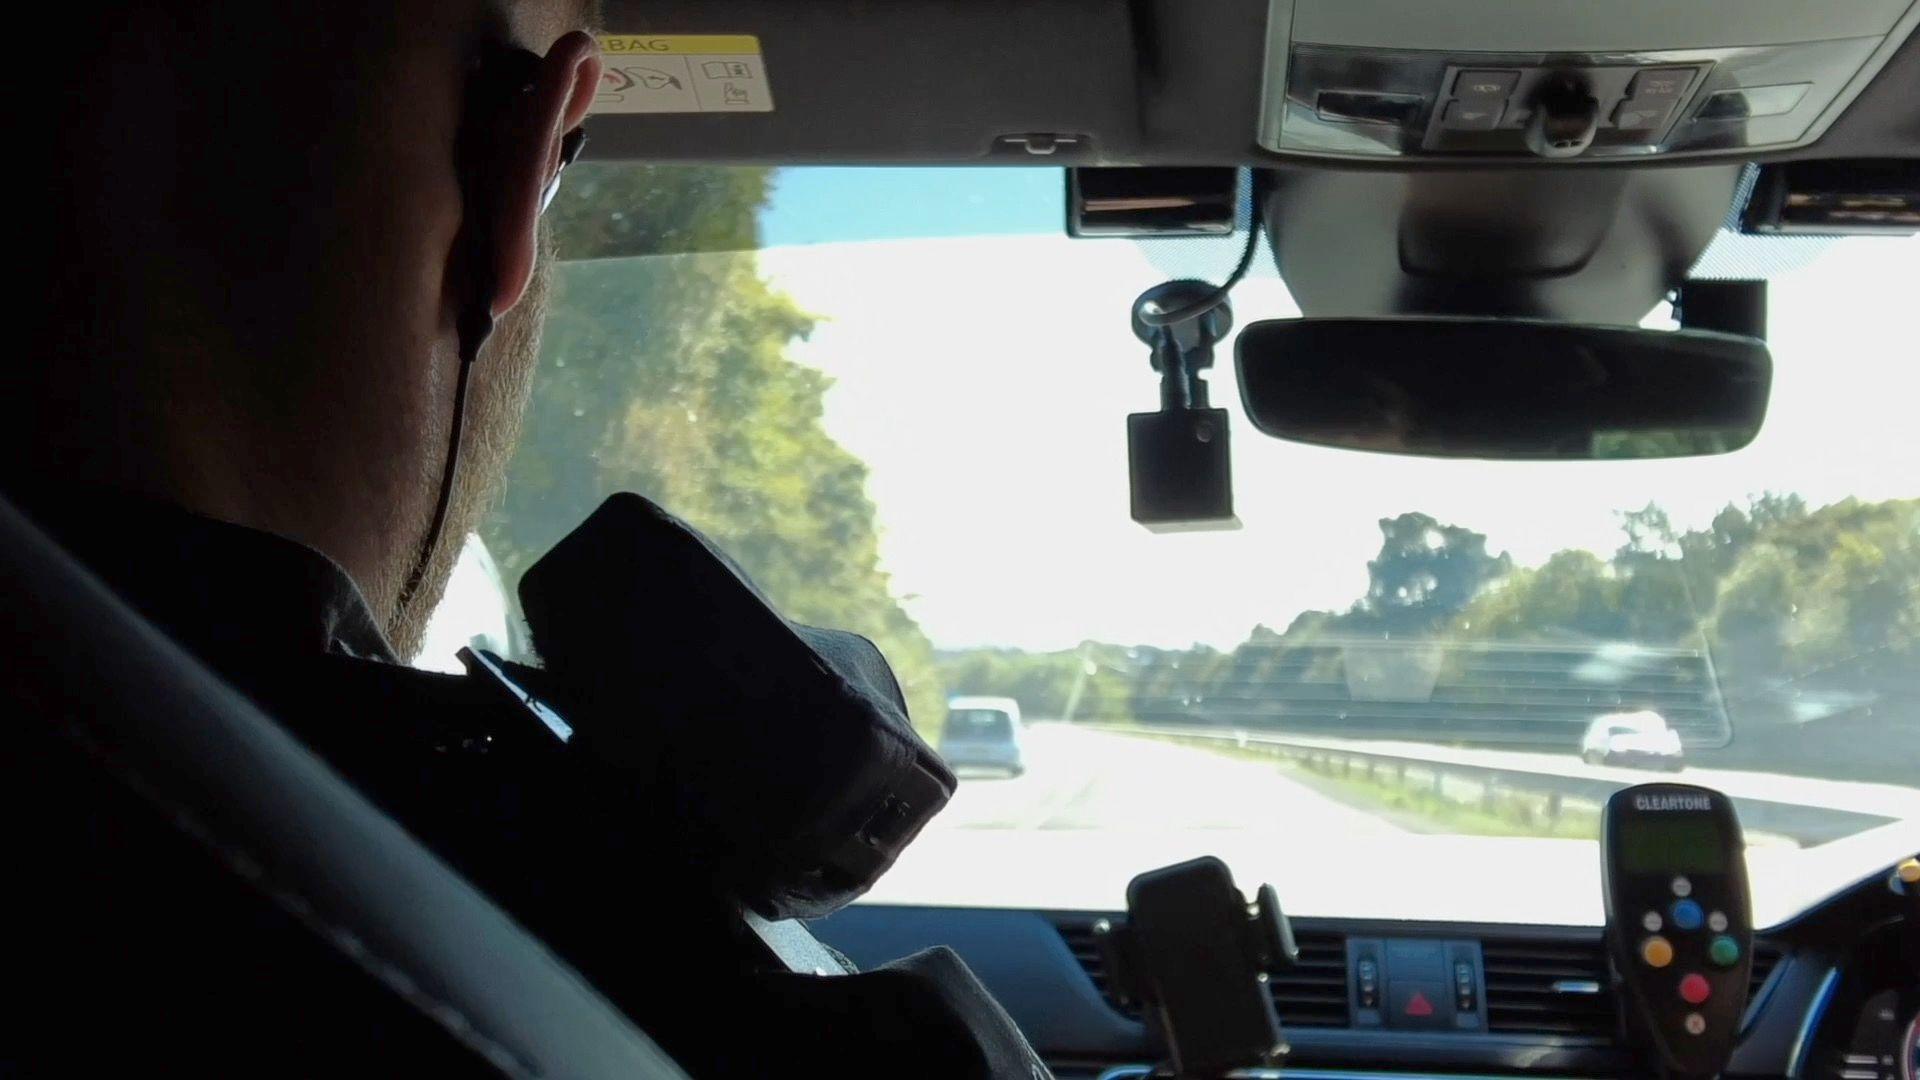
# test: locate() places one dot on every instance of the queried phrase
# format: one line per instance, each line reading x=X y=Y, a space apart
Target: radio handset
x=1679 y=920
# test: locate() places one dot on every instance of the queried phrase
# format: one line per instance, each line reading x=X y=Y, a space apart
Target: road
x=1080 y=779
x=1853 y=797
x=1095 y=808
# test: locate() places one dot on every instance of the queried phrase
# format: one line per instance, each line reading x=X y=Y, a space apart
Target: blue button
x=1687 y=914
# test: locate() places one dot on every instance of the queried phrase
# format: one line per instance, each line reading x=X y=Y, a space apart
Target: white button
x=1717 y=922
x=1682 y=887
x=1696 y=1023
x=1651 y=920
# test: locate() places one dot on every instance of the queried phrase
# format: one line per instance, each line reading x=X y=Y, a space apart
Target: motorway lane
x=1853 y=796
x=1079 y=779
x=1097 y=807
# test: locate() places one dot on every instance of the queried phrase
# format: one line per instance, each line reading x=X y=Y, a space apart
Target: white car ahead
x=1640 y=739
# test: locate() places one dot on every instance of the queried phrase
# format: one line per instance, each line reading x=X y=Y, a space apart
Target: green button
x=1724 y=951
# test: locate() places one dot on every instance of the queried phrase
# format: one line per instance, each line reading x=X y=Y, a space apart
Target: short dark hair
x=194 y=162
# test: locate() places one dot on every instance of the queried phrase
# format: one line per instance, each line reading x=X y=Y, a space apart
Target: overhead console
x=1267 y=83
x=1524 y=80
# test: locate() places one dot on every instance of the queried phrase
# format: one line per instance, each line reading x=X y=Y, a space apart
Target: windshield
x=1388 y=675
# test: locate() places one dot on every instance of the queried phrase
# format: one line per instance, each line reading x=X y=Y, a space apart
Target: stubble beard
x=502 y=381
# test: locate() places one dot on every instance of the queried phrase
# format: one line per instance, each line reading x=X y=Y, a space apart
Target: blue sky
x=820 y=205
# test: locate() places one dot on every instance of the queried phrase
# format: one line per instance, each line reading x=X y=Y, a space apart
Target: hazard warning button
x=1419 y=1005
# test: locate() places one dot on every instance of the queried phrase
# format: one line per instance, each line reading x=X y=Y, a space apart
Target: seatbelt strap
x=793 y=945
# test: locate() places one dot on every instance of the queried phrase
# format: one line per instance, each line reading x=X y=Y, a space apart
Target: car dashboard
x=1832 y=994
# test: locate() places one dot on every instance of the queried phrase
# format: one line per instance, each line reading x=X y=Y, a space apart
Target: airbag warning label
x=682 y=73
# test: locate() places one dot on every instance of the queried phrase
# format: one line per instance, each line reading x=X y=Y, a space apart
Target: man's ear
x=529 y=158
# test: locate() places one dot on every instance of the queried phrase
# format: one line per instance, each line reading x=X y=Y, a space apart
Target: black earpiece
x=500 y=75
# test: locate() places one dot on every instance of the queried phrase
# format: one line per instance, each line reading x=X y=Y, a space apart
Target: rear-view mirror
x=1506 y=388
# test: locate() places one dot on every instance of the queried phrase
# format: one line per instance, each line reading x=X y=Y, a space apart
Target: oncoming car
x=984 y=733
x=1632 y=738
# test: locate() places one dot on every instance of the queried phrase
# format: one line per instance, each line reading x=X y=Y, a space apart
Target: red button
x=1694 y=989
x=1418 y=1005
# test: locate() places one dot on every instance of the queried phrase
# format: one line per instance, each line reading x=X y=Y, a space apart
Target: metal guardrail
x=1465 y=781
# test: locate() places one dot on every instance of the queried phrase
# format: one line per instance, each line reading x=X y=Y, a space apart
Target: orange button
x=1694 y=989
x=1656 y=951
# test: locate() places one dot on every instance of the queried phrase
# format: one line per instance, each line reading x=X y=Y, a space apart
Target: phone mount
x=1180 y=467
x=1195 y=954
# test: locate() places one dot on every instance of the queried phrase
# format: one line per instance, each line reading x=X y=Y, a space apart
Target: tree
x=665 y=372
x=1712 y=552
x=1663 y=589
x=1839 y=586
x=1425 y=572
x=1799 y=607
x=1750 y=621
x=1172 y=686
x=1573 y=595
x=1090 y=683
x=612 y=211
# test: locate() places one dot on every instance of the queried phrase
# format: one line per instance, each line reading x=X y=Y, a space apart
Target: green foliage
x=1091 y=683
x=1573 y=594
x=1781 y=592
x=1781 y=595
x=1678 y=443
x=666 y=373
x=1182 y=685
x=609 y=211
x=1814 y=591
x=1425 y=572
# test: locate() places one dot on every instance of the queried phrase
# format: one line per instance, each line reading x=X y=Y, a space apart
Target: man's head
x=263 y=227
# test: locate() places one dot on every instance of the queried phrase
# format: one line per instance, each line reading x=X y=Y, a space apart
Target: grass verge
x=1420 y=808
x=1424 y=800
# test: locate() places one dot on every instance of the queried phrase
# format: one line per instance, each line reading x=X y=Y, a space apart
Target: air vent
x=1313 y=993
x=1549 y=988
x=1766 y=956
x=1078 y=934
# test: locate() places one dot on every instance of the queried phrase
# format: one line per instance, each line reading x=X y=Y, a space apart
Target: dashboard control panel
x=1416 y=984
x=1833 y=992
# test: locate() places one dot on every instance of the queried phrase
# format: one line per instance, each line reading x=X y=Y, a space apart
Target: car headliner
x=1146 y=82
